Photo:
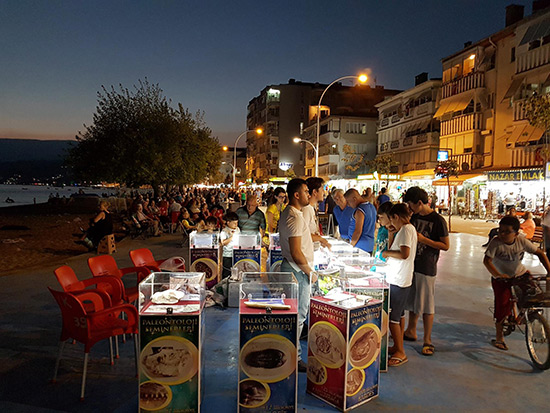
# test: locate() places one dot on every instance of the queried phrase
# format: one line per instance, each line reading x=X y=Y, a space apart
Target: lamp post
x=298 y=140
x=258 y=131
x=362 y=79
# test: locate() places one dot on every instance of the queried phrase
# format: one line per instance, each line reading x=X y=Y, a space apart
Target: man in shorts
x=433 y=236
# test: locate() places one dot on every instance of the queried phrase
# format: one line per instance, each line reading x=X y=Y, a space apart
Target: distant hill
x=12 y=150
x=32 y=159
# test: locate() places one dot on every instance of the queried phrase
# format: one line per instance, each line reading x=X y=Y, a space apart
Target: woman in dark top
x=100 y=225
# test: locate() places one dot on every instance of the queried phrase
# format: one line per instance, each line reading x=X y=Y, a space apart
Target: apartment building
x=226 y=166
x=282 y=112
x=407 y=129
x=481 y=108
x=287 y=111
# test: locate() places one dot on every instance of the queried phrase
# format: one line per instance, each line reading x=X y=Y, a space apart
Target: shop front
x=526 y=188
x=466 y=192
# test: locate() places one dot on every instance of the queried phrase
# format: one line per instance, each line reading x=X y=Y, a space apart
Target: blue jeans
x=303 y=298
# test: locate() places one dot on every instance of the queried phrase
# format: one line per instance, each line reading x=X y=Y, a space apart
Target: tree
x=537 y=112
x=354 y=160
x=446 y=169
x=383 y=164
x=138 y=138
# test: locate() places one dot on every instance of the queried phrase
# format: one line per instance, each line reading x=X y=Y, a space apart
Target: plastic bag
x=173 y=264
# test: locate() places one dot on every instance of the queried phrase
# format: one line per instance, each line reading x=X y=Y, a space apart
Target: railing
x=472 y=160
x=519 y=109
x=527 y=156
x=462 y=123
x=470 y=81
x=533 y=58
x=395 y=119
x=385 y=122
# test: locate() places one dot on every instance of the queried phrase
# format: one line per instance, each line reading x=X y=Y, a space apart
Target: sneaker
x=302 y=366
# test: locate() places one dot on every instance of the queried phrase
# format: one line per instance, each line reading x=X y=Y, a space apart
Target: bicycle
x=528 y=310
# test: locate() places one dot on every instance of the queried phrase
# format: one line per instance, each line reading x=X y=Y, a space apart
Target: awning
x=530 y=133
x=536 y=31
x=456 y=181
x=455 y=103
x=516 y=83
x=418 y=175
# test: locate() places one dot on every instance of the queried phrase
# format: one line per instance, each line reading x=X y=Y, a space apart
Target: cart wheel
x=537 y=338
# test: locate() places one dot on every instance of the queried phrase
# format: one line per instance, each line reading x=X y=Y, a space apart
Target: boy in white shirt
x=399 y=274
x=227 y=239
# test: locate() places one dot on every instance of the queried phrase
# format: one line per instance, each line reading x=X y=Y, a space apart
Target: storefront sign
x=519 y=175
x=442 y=156
x=382 y=177
x=285 y=166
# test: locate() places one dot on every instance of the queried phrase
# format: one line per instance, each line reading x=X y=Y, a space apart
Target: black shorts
x=398 y=300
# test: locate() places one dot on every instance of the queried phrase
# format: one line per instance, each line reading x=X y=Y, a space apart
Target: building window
x=513 y=54
x=356 y=127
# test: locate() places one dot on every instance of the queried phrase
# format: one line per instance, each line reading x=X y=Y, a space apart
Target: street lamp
x=258 y=131
x=362 y=79
x=298 y=140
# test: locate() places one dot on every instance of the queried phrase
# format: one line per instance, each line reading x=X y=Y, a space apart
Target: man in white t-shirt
x=316 y=195
x=297 y=250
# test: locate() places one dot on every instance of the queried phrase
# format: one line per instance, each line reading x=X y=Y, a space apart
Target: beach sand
x=49 y=237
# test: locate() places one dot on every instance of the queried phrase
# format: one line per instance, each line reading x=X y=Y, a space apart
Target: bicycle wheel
x=537 y=338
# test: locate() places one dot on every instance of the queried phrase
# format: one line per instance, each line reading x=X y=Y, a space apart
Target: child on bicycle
x=503 y=260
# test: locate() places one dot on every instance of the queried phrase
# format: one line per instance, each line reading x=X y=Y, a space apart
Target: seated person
x=503 y=259
x=186 y=221
x=100 y=226
x=527 y=227
x=142 y=220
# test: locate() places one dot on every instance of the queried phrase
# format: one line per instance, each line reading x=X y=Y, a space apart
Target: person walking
x=363 y=221
x=433 y=236
x=297 y=250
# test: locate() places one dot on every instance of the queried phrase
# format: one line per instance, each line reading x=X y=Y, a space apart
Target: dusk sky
x=214 y=56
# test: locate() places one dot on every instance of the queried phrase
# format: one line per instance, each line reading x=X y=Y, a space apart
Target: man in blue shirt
x=342 y=212
x=363 y=221
x=383 y=197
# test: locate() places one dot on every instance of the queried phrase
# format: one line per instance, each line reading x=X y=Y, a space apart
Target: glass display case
x=204 y=239
x=172 y=293
x=248 y=241
x=268 y=340
x=171 y=330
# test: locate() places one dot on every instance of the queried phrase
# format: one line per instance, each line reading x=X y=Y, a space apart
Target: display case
x=247 y=253
x=205 y=255
x=268 y=340
x=171 y=327
x=275 y=256
x=344 y=343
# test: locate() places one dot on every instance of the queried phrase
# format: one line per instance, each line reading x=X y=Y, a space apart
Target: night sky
x=215 y=56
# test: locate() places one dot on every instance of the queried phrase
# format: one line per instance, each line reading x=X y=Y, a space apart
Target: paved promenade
x=465 y=374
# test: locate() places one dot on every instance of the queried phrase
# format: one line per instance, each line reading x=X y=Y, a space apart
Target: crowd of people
x=408 y=235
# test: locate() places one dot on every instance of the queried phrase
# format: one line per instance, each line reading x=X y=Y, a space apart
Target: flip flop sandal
x=501 y=345
x=428 y=350
x=397 y=361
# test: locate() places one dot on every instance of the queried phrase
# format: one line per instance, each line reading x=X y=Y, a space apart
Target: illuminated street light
x=362 y=78
x=258 y=131
x=298 y=140
x=225 y=148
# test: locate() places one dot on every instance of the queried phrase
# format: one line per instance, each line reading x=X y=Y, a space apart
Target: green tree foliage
x=138 y=138
x=446 y=169
x=383 y=163
x=537 y=112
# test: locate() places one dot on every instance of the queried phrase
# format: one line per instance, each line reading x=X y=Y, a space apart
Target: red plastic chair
x=143 y=257
x=174 y=223
x=106 y=265
x=109 y=285
x=90 y=327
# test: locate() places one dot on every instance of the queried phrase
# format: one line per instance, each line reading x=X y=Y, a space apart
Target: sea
x=38 y=194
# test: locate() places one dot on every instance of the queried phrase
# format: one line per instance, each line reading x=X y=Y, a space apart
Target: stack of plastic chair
x=88 y=327
x=106 y=265
x=143 y=257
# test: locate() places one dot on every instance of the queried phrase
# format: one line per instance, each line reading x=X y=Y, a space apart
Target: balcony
x=462 y=123
x=472 y=80
x=533 y=58
x=384 y=122
x=519 y=110
x=527 y=156
x=468 y=161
